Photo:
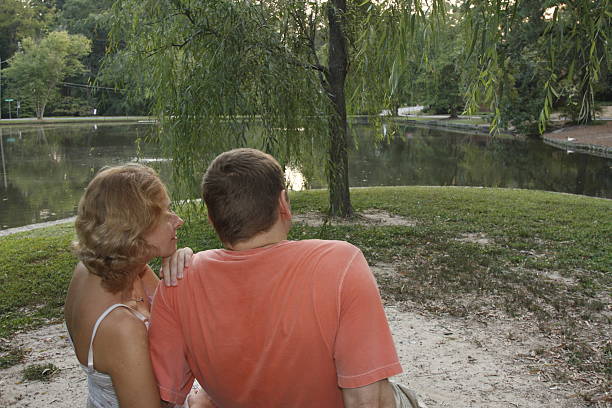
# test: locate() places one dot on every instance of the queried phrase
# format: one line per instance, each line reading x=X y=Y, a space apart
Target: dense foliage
x=208 y=69
x=37 y=71
x=80 y=92
x=208 y=65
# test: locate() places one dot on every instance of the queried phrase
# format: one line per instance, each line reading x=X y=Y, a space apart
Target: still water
x=44 y=169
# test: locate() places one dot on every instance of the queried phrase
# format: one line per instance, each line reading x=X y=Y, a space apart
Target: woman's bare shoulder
x=120 y=334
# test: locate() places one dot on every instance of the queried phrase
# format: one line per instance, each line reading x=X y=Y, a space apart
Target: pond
x=45 y=168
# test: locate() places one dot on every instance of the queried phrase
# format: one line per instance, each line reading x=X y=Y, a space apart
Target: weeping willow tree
x=219 y=70
x=570 y=51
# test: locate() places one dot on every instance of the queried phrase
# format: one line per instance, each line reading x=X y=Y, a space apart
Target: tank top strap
x=90 y=360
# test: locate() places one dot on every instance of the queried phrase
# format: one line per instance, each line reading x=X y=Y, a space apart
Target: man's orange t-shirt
x=287 y=325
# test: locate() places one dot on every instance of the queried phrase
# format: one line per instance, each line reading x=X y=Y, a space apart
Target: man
x=267 y=322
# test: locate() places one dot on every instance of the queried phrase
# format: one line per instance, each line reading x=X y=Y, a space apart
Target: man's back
x=283 y=325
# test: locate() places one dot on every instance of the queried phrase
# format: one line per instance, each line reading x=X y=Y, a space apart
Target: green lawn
x=542 y=256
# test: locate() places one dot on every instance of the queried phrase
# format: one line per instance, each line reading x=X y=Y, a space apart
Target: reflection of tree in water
x=533 y=165
x=418 y=156
x=14 y=209
x=48 y=167
x=38 y=160
x=412 y=156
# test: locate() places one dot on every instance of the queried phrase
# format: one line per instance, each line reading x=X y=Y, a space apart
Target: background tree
x=36 y=72
x=441 y=80
x=551 y=51
x=283 y=62
x=582 y=27
x=20 y=19
x=91 y=18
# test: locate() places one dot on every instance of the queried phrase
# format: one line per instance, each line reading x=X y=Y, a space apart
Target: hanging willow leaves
x=222 y=70
x=574 y=44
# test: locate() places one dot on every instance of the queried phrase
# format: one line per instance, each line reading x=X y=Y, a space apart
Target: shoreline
x=595 y=140
x=73 y=119
x=30 y=227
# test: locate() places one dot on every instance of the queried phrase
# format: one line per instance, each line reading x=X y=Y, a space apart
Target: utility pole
x=1 y=62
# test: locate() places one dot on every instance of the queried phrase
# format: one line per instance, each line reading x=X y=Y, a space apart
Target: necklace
x=138 y=299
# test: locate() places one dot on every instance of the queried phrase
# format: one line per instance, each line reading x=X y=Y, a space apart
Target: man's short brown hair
x=241 y=189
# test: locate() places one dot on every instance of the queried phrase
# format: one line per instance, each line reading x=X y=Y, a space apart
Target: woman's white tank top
x=101 y=391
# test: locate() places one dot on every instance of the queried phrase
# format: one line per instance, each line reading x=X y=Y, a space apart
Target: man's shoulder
x=316 y=250
x=203 y=256
x=328 y=245
x=328 y=254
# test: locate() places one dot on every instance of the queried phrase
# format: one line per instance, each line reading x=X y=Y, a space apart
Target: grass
x=40 y=372
x=543 y=257
x=35 y=269
x=9 y=356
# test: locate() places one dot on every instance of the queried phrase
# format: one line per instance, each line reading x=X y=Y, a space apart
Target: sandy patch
x=597 y=135
x=460 y=363
x=475 y=238
x=368 y=217
x=66 y=389
x=556 y=277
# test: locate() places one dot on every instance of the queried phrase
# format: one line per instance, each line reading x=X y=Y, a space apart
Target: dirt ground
x=449 y=362
x=487 y=362
x=600 y=135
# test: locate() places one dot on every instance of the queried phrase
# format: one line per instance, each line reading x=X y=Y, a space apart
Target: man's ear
x=284 y=207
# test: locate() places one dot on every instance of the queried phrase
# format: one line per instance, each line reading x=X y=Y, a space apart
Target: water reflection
x=420 y=156
x=44 y=169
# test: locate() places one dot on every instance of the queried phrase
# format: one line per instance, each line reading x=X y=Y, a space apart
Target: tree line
x=52 y=54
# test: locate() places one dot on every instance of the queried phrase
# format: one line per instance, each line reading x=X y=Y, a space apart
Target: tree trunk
x=40 y=110
x=339 y=195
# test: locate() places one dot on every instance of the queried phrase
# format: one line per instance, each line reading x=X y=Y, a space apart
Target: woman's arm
x=121 y=349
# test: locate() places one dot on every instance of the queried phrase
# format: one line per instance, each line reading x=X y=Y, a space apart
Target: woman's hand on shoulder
x=174 y=266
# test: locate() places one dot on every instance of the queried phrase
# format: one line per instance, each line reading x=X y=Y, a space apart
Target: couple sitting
x=264 y=322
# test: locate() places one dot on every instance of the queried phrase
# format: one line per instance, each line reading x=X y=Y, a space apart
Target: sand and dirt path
x=450 y=362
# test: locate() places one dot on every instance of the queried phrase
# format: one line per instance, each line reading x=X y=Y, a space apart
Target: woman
x=124 y=220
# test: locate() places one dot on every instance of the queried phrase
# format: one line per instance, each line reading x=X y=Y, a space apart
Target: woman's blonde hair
x=120 y=205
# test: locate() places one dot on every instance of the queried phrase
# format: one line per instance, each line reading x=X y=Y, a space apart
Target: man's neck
x=264 y=239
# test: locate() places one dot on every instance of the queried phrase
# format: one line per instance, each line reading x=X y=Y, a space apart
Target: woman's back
x=87 y=300
x=105 y=328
